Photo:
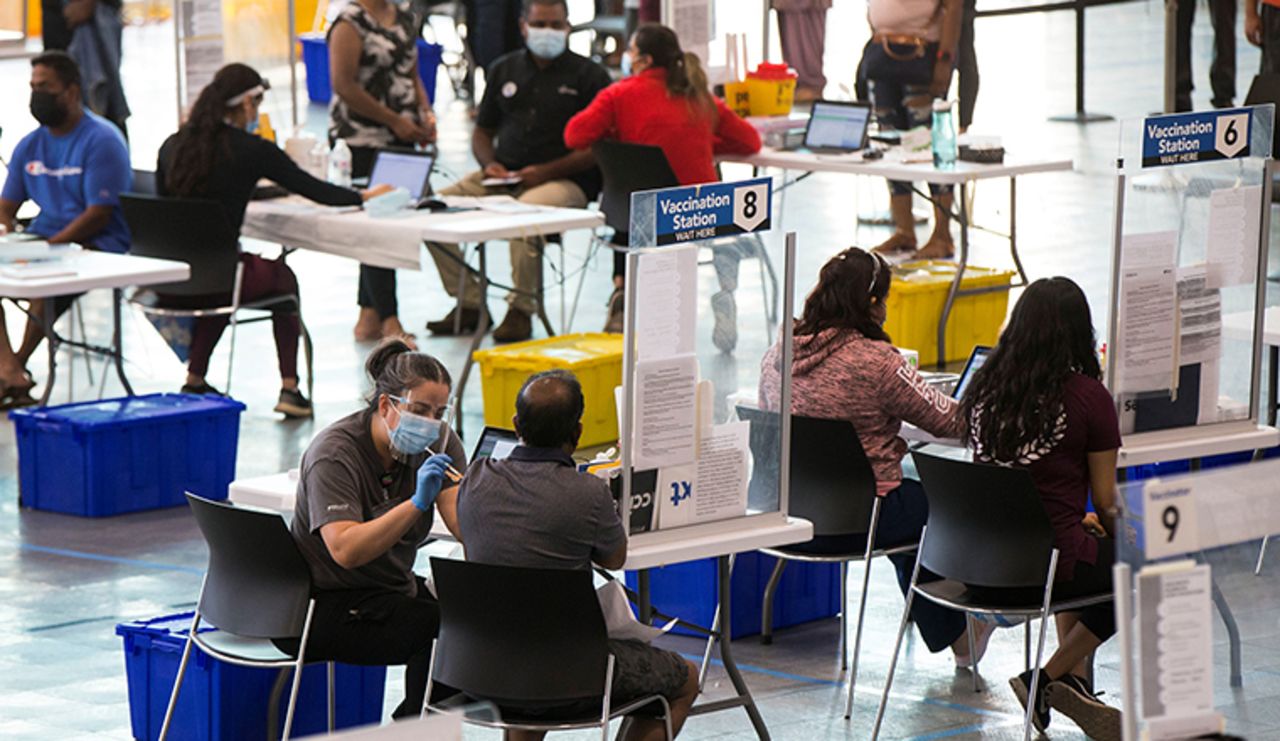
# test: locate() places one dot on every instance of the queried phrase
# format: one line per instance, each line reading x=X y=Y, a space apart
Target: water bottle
x=943 y=136
x=318 y=161
x=340 y=164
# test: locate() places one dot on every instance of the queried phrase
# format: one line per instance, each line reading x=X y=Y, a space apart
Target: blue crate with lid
x=226 y=702
x=109 y=457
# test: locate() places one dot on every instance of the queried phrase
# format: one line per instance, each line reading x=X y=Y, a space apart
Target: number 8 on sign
x=750 y=206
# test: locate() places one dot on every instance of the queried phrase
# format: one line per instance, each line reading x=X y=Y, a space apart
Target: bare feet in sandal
x=368 y=326
x=936 y=249
x=391 y=327
x=899 y=242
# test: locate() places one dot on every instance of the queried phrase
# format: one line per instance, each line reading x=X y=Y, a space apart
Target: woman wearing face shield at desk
x=368 y=490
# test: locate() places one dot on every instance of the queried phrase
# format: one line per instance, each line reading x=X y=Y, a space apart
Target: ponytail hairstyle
x=394 y=368
x=204 y=135
x=849 y=286
x=686 y=77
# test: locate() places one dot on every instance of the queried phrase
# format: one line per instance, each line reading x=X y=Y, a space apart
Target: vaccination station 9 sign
x=1195 y=137
x=687 y=214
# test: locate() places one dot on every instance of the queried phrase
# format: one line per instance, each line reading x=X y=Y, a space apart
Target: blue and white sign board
x=1196 y=137
x=690 y=213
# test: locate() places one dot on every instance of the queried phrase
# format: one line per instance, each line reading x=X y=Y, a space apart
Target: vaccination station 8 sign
x=687 y=214
x=1195 y=137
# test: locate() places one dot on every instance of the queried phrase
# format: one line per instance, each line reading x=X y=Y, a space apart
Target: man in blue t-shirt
x=74 y=168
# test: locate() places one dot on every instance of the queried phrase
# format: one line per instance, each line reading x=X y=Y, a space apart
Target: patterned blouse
x=388 y=65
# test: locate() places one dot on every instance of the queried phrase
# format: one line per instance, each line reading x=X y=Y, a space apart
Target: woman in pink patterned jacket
x=845 y=367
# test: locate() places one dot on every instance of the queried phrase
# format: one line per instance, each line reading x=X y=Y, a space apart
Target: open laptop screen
x=835 y=125
x=976 y=360
x=408 y=170
x=495 y=443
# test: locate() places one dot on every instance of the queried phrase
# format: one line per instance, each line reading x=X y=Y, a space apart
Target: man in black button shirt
x=529 y=96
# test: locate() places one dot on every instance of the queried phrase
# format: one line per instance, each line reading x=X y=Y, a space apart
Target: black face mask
x=47 y=110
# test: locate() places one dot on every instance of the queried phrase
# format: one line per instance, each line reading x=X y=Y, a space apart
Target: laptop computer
x=495 y=443
x=837 y=127
x=404 y=168
x=1266 y=89
x=977 y=359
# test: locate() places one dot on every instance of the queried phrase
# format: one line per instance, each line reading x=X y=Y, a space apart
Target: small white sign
x=750 y=206
x=1170 y=526
x=1231 y=134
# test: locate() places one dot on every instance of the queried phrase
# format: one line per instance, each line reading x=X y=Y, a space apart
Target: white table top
x=1239 y=326
x=695 y=542
x=96 y=270
x=853 y=164
x=279 y=491
x=396 y=241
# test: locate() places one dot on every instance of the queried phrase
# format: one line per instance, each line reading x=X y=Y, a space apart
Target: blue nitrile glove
x=430 y=479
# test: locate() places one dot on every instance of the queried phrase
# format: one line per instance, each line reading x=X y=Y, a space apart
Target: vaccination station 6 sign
x=1195 y=137
x=687 y=214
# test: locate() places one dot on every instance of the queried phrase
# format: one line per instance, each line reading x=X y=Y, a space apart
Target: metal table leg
x=1013 y=229
x=1273 y=384
x=482 y=328
x=1233 y=633
x=646 y=601
x=117 y=342
x=726 y=652
x=52 y=341
x=963 y=217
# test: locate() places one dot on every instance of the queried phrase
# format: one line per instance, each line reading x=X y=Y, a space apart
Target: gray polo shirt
x=534 y=509
x=343 y=479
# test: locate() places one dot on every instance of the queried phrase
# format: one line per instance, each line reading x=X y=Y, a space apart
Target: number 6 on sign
x=751 y=206
x=1231 y=134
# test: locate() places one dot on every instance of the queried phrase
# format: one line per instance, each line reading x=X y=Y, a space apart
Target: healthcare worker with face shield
x=369 y=487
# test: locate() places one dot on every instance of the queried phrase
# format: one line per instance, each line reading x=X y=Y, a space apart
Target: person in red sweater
x=666 y=103
x=845 y=367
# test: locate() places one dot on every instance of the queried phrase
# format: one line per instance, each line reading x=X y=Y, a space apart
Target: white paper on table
x=1149 y=250
x=675 y=495
x=666 y=304
x=665 y=431
x=723 y=459
x=1148 y=325
x=1175 y=644
x=1235 y=221
x=620 y=621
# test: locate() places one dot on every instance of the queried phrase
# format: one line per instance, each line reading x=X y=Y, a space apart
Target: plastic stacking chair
x=832 y=486
x=986 y=527
x=257 y=588
x=196 y=232
x=556 y=654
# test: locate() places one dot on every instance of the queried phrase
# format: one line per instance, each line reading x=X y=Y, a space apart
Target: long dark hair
x=849 y=285
x=394 y=368
x=203 y=138
x=1015 y=398
x=685 y=76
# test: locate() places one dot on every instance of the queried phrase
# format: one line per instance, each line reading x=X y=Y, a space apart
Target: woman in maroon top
x=1039 y=403
x=667 y=103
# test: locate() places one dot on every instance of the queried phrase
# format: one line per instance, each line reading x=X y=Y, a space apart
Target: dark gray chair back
x=987 y=526
x=517 y=635
x=257 y=584
x=628 y=168
x=831 y=481
x=190 y=230
x=144 y=183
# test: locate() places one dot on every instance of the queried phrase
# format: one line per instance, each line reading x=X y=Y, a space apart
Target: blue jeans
x=903 y=513
x=902 y=106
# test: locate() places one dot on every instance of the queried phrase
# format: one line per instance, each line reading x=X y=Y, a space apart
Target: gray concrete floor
x=65 y=582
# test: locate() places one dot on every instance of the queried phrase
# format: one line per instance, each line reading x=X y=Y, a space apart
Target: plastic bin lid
x=162 y=627
x=931 y=273
x=569 y=350
x=128 y=409
x=771 y=71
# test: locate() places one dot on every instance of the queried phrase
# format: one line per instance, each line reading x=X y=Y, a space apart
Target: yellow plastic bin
x=737 y=95
x=773 y=89
x=915 y=303
x=596 y=359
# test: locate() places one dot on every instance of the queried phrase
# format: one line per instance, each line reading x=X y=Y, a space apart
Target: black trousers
x=967 y=65
x=1222 y=71
x=373 y=627
x=1270 y=64
x=377 y=285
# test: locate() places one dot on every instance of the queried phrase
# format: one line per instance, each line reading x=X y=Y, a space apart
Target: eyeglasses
x=422 y=409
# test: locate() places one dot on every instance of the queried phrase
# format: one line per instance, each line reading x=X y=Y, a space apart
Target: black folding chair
x=987 y=530
x=257 y=588
x=556 y=654
x=832 y=485
x=196 y=232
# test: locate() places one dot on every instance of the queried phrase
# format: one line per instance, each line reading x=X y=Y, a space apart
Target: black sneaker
x=202 y=389
x=293 y=404
x=1073 y=697
x=1021 y=685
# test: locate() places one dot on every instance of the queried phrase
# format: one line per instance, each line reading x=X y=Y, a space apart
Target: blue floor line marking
x=697 y=658
x=953 y=732
x=109 y=559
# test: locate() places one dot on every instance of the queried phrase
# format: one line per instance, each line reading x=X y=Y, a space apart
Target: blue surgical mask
x=547 y=43
x=625 y=64
x=413 y=435
x=252 y=126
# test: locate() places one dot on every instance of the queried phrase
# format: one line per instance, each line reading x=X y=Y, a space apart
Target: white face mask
x=547 y=43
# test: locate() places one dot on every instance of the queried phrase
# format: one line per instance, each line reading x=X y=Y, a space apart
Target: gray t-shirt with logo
x=342 y=479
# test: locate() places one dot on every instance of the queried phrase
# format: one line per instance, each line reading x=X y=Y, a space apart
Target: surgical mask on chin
x=413 y=435
x=46 y=110
x=547 y=43
x=252 y=126
x=625 y=64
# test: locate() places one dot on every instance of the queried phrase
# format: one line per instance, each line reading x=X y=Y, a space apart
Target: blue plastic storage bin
x=807 y=592
x=315 y=59
x=103 y=458
x=222 y=701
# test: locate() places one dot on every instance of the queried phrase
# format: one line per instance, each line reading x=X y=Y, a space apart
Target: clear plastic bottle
x=340 y=164
x=943 y=135
x=318 y=161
